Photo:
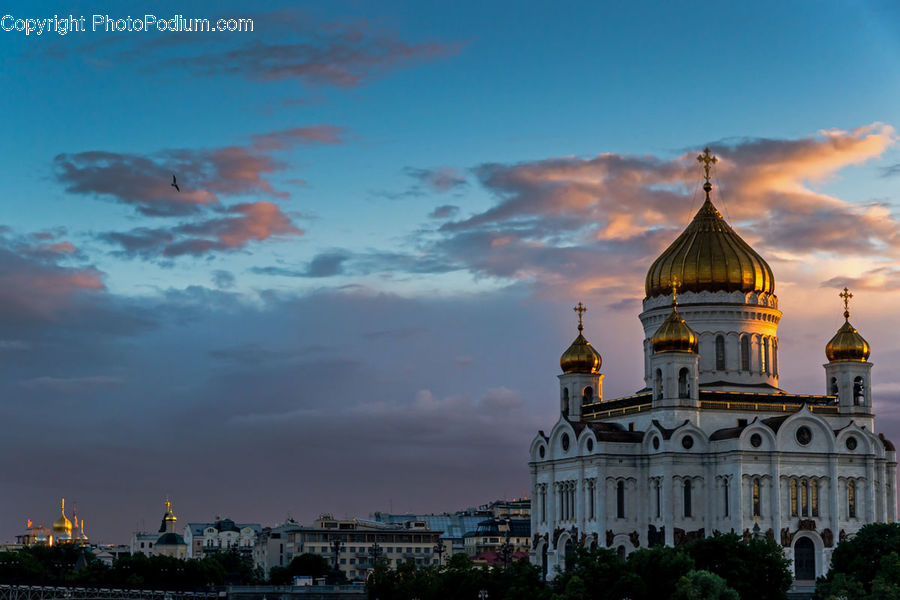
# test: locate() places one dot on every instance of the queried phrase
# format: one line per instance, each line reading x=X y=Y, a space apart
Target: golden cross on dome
x=674 y=291
x=168 y=504
x=580 y=309
x=846 y=295
x=708 y=160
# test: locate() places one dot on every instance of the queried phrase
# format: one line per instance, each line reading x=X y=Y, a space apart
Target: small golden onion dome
x=62 y=524
x=847 y=344
x=674 y=335
x=170 y=515
x=709 y=256
x=580 y=356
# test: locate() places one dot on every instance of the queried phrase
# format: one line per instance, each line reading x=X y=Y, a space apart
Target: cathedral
x=711 y=444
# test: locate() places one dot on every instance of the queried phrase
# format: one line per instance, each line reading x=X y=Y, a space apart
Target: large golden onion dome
x=674 y=335
x=847 y=344
x=580 y=356
x=62 y=524
x=709 y=256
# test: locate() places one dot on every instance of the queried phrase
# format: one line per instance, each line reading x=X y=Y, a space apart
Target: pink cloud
x=237 y=226
x=205 y=176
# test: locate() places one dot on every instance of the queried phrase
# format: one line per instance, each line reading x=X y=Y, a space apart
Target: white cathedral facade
x=711 y=445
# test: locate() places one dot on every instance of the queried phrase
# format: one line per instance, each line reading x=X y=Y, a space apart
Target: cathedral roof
x=709 y=256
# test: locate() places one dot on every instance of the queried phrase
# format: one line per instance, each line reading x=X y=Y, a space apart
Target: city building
x=222 y=534
x=63 y=531
x=360 y=540
x=271 y=547
x=142 y=542
x=169 y=542
x=487 y=543
x=455 y=526
x=710 y=444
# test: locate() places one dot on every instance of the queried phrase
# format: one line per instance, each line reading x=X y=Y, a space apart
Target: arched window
x=684 y=388
x=775 y=356
x=814 y=496
x=587 y=396
x=720 y=352
x=621 y=551
x=725 y=487
x=833 y=388
x=851 y=499
x=745 y=353
x=657 y=383
x=658 y=499
x=794 y=511
x=859 y=392
x=757 y=500
x=765 y=365
x=804 y=498
x=620 y=500
x=565 y=406
x=687 y=497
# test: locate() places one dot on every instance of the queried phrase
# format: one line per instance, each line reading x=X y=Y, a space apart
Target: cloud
x=340 y=55
x=205 y=176
x=438 y=180
x=223 y=279
x=879 y=279
x=445 y=211
x=891 y=170
x=68 y=385
x=233 y=229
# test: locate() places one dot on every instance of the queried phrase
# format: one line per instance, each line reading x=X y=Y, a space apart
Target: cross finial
x=674 y=292
x=708 y=160
x=168 y=504
x=580 y=309
x=846 y=295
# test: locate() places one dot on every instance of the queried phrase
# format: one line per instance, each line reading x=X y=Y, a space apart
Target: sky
x=358 y=298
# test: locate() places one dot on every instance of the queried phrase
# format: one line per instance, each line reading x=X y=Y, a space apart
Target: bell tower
x=581 y=382
x=848 y=373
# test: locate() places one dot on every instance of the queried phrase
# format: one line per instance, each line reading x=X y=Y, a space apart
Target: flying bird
x=174 y=184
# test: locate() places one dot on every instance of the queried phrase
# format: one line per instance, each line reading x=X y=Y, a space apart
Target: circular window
x=851 y=443
x=542 y=452
x=687 y=442
x=590 y=445
x=565 y=442
x=756 y=440
x=804 y=435
x=655 y=443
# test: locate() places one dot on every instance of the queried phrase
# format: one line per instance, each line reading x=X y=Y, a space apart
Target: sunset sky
x=358 y=300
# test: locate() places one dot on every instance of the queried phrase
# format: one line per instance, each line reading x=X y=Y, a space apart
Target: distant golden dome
x=580 y=356
x=674 y=335
x=709 y=256
x=62 y=524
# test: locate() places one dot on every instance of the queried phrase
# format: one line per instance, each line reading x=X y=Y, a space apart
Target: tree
x=703 y=585
x=657 y=570
x=600 y=569
x=311 y=565
x=864 y=562
x=757 y=570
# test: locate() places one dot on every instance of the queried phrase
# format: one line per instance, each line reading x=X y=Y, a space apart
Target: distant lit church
x=711 y=444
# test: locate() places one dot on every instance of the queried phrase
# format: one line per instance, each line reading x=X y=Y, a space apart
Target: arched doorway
x=804 y=560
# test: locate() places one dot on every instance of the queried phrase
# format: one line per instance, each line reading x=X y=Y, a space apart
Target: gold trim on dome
x=580 y=356
x=709 y=255
x=847 y=344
